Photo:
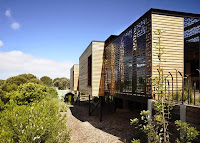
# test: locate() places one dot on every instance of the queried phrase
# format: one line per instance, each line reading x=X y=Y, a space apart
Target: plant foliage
x=29 y=112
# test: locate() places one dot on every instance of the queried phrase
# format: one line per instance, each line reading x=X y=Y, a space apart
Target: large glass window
x=191 y=48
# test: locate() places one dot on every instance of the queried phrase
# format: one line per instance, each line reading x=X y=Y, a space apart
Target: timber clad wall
x=83 y=74
x=172 y=40
x=74 y=76
x=97 y=65
x=96 y=50
x=71 y=78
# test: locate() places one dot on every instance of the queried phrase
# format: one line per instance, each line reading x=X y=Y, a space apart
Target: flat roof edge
x=89 y=46
x=98 y=41
x=163 y=12
x=175 y=13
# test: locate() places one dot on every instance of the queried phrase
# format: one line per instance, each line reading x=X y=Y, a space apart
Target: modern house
x=74 y=76
x=132 y=58
x=124 y=65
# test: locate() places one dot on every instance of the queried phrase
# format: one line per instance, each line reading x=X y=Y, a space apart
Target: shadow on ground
x=117 y=124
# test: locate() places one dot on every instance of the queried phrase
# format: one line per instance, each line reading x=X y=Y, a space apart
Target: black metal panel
x=126 y=62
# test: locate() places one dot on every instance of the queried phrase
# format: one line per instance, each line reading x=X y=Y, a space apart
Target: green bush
x=52 y=93
x=28 y=92
x=188 y=133
x=39 y=122
x=29 y=112
x=2 y=82
x=9 y=87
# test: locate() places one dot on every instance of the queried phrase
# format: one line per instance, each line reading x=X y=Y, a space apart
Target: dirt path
x=114 y=128
x=85 y=132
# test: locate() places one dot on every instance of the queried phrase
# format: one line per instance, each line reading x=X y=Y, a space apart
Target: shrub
x=52 y=93
x=39 y=122
x=187 y=133
x=29 y=92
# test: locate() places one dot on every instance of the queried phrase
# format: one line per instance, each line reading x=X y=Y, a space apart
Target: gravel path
x=114 y=128
x=85 y=132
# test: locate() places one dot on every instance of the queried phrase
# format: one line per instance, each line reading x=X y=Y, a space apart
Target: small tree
x=46 y=80
x=61 y=83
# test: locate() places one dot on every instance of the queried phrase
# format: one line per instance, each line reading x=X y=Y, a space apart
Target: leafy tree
x=46 y=80
x=13 y=82
x=21 y=79
x=61 y=83
x=56 y=79
x=1 y=82
x=16 y=80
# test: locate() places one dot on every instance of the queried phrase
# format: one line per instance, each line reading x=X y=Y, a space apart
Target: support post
x=100 y=119
x=79 y=99
x=194 y=92
x=150 y=107
x=165 y=88
x=182 y=88
x=114 y=105
x=172 y=85
x=168 y=89
x=188 y=90
x=162 y=84
x=182 y=115
x=176 y=85
x=159 y=84
x=172 y=89
x=182 y=84
x=89 y=105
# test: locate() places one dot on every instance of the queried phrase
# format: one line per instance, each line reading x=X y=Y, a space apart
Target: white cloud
x=15 y=25
x=16 y=62
x=8 y=13
x=1 y=44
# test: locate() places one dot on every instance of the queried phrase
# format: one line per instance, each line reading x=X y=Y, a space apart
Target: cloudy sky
x=46 y=37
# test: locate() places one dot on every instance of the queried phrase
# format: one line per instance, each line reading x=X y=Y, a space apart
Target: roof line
x=89 y=45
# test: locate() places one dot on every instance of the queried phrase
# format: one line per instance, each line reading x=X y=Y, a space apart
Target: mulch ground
x=114 y=128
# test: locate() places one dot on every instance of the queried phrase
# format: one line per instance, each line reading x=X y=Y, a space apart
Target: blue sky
x=58 y=31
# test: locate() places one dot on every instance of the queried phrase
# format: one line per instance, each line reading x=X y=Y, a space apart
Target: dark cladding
x=128 y=57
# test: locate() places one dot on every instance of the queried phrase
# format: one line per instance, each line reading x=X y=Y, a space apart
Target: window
x=90 y=70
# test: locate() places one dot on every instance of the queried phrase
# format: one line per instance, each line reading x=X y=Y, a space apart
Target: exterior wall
x=83 y=74
x=74 y=77
x=172 y=39
x=96 y=50
x=143 y=51
x=97 y=67
x=128 y=60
